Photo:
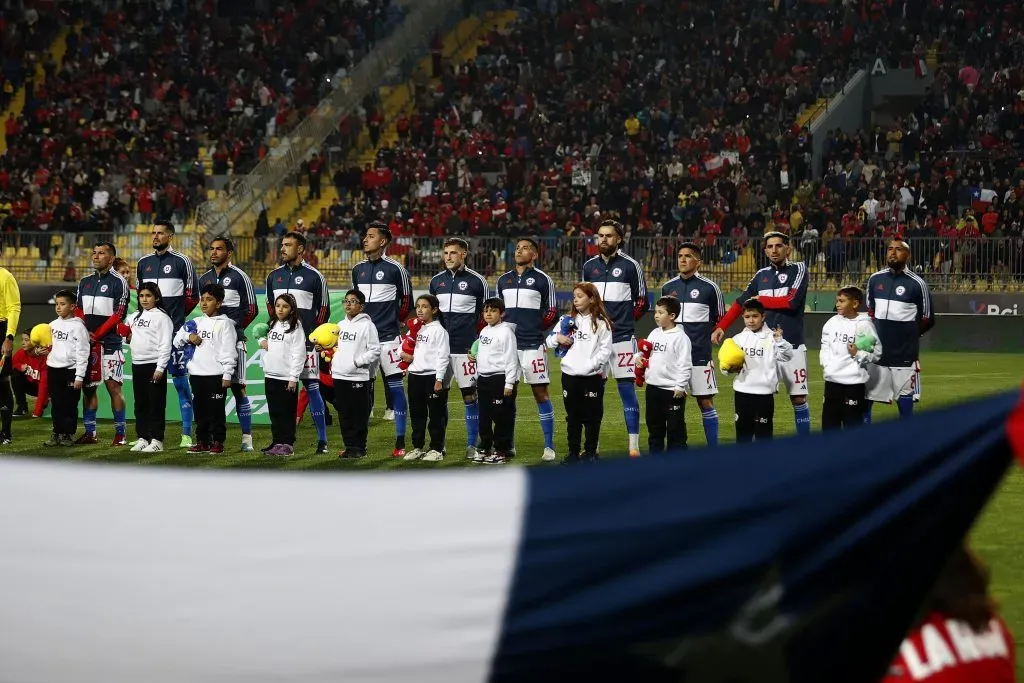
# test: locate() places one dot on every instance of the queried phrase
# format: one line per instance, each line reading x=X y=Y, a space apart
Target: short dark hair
x=533 y=242
x=852 y=292
x=612 y=223
x=496 y=303
x=166 y=225
x=297 y=236
x=228 y=243
x=67 y=294
x=456 y=242
x=692 y=246
x=753 y=305
x=382 y=227
x=775 y=233
x=357 y=294
x=108 y=245
x=215 y=290
x=670 y=304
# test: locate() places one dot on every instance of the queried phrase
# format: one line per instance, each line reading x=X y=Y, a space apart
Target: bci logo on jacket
x=345 y=336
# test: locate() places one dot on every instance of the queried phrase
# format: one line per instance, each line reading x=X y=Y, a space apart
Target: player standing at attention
x=529 y=296
x=620 y=282
x=103 y=300
x=900 y=303
x=10 y=316
x=309 y=287
x=702 y=308
x=781 y=287
x=385 y=284
x=174 y=275
x=240 y=305
x=461 y=293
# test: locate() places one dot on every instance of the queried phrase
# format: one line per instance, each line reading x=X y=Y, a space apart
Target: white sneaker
x=549 y=455
x=433 y=456
x=139 y=445
x=414 y=454
x=471 y=453
x=155 y=446
x=389 y=415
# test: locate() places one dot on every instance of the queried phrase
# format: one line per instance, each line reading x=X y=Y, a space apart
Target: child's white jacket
x=670 y=364
x=358 y=348
x=152 y=332
x=286 y=352
x=70 y=347
x=496 y=353
x=590 y=350
x=764 y=355
x=432 y=351
x=217 y=355
x=839 y=366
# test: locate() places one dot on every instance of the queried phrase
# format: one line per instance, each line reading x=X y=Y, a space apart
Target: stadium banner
x=793 y=560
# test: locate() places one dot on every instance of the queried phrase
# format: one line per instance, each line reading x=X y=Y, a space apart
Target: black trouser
x=424 y=403
x=665 y=420
x=282 y=405
x=584 y=407
x=755 y=414
x=150 y=402
x=352 y=401
x=64 y=401
x=6 y=392
x=208 y=396
x=844 y=405
x=23 y=389
x=495 y=413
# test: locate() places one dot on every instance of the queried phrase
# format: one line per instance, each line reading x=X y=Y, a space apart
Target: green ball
x=475 y=348
x=260 y=330
x=865 y=342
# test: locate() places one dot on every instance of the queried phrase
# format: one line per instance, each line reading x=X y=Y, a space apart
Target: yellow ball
x=326 y=336
x=41 y=335
x=731 y=357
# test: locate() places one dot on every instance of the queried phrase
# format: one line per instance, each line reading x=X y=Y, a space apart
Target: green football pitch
x=948 y=378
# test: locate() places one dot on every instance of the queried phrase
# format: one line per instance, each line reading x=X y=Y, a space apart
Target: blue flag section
x=801 y=561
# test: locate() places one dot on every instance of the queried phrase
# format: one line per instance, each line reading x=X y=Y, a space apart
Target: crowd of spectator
x=679 y=119
x=114 y=133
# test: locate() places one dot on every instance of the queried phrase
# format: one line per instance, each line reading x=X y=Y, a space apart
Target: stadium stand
x=689 y=120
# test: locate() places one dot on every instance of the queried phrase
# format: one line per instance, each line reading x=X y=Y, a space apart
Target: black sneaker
x=590 y=457
x=495 y=458
x=20 y=412
x=5 y=440
x=352 y=454
x=321 y=447
x=571 y=459
x=54 y=440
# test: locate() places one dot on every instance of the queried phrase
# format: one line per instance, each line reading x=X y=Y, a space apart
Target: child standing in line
x=849 y=343
x=668 y=375
x=428 y=374
x=590 y=348
x=66 y=364
x=758 y=380
x=497 y=370
x=355 y=355
x=210 y=368
x=151 y=332
x=285 y=347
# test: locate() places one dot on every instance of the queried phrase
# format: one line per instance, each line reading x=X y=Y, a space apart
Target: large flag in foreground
x=800 y=560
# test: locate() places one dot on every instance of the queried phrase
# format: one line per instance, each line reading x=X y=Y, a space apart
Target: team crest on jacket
x=103 y=288
x=167 y=268
x=227 y=281
x=462 y=285
x=380 y=275
x=694 y=294
x=616 y=271
x=901 y=290
x=298 y=280
x=530 y=280
x=783 y=277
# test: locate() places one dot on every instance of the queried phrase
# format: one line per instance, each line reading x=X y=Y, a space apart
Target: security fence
x=965 y=264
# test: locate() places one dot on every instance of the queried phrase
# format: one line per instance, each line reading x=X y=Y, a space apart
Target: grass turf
x=948 y=378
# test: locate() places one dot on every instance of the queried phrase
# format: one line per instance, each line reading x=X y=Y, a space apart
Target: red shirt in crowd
x=944 y=650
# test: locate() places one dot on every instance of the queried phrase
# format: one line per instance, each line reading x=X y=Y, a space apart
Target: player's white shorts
x=620 y=365
x=886 y=384
x=111 y=368
x=702 y=380
x=311 y=368
x=462 y=370
x=238 y=376
x=794 y=372
x=533 y=364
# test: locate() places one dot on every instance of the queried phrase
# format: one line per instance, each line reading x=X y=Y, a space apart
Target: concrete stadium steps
x=59 y=49
x=812 y=112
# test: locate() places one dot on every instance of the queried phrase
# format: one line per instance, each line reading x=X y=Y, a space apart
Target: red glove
x=645 y=347
x=408 y=346
x=124 y=330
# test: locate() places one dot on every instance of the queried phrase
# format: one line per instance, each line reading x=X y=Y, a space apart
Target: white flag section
x=111 y=574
